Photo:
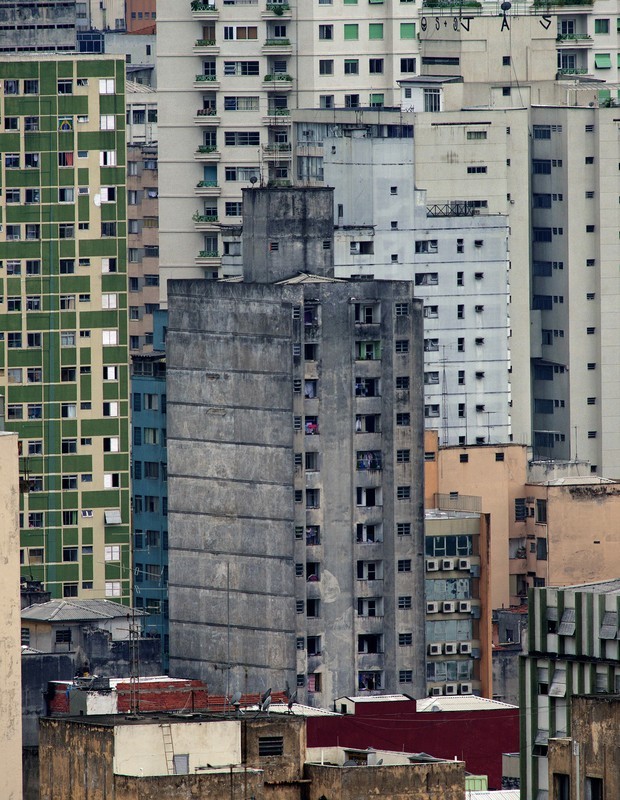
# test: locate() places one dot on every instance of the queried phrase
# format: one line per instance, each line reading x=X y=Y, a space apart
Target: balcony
x=204 y=82
x=206 y=116
x=574 y=6
x=572 y=71
x=207 y=153
x=207 y=189
x=277 y=150
x=208 y=258
x=574 y=40
x=205 y=47
x=278 y=82
x=276 y=11
x=277 y=116
x=277 y=47
x=205 y=222
x=204 y=10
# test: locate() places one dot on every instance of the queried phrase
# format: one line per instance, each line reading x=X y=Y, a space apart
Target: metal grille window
x=270 y=745
x=558 y=684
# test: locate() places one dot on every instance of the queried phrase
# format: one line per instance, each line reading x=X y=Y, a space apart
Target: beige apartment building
x=551 y=523
x=10 y=650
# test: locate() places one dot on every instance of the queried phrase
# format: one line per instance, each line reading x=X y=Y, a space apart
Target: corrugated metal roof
x=304 y=277
x=460 y=703
x=76 y=611
x=376 y=698
x=499 y=794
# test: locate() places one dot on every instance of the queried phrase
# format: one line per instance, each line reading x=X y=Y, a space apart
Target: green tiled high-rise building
x=63 y=317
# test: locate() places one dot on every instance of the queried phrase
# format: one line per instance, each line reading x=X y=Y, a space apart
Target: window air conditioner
x=449 y=607
x=436 y=691
x=451 y=648
x=466 y=688
x=447 y=563
x=432 y=608
x=464 y=563
x=434 y=649
x=451 y=689
x=432 y=565
x=465 y=648
x=464 y=606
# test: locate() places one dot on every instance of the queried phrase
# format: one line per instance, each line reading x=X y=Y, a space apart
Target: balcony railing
x=277 y=42
x=205 y=218
x=279 y=112
x=572 y=37
x=572 y=71
x=206 y=78
x=208 y=254
x=207 y=148
x=278 y=76
x=206 y=112
x=278 y=8
x=207 y=185
x=196 y=5
x=204 y=43
x=277 y=148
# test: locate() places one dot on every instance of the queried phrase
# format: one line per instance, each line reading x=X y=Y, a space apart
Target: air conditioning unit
x=432 y=564
x=432 y=608
x=436 y=691
x=448 y=607
x=447 y=563
x=434 y=649
x=464 y=563
x=466 y=688
x=465 y=648
x=464 y=606
x=451 y=648
x=451 y=689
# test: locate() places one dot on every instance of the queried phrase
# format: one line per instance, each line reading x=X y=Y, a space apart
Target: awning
x=567 y=625
x=609 y=626
x=112 y=516
x=558 y=684
x=602 y=60
x=552 y=614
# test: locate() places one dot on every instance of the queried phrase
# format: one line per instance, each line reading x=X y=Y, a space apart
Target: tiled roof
x=76 y=611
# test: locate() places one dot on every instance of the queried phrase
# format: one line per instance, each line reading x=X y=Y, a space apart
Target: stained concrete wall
x=236 y=421
x=298 y=221
x=441 y=781
x=10 y=650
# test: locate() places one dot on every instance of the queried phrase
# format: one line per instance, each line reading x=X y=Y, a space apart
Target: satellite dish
x=350 y=763
x=235 y=700
x=506 y=6
x=266 y=703
x=253 y=180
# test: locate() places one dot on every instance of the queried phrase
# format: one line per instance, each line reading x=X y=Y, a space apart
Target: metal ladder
x=166 y=733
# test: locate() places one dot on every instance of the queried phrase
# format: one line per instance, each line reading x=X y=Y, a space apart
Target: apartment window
x=326 y=66
x=405 y=639
x=403 y=419
x=593 y=789
x=476 y=169
x=375 y=30
x=407 y=65
x=404 y=602
x=69 y=482
x=351 y=101
x=402 y=382
x=326 y=32
x=112 y=588
x=561 y=786
x=403 y=529
x=407 y=30
x=110 y=409
x=402 y=345
x=404 y=565
x=351 y=66
x=403 y=456
x=375 y=66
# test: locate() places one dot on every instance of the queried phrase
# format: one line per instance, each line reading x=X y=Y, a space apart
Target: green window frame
x=377 y=100
x=602 y=60
x=351 y=32
x=407 y=30
x=375 y=2
x=350 y=2
x=375 y=30
x=351 y=66
x=601 y=26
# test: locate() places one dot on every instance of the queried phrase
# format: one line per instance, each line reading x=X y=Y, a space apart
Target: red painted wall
x=476 y=737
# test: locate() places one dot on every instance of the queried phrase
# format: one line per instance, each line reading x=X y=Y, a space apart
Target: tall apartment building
x=573 y=649
x=458 y=616
x=295 y=458
x=64 y=318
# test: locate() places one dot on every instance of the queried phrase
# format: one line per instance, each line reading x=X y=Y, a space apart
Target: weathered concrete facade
x=287 y=230
x=10 y=653
x=296 y=486
x=586 y=764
